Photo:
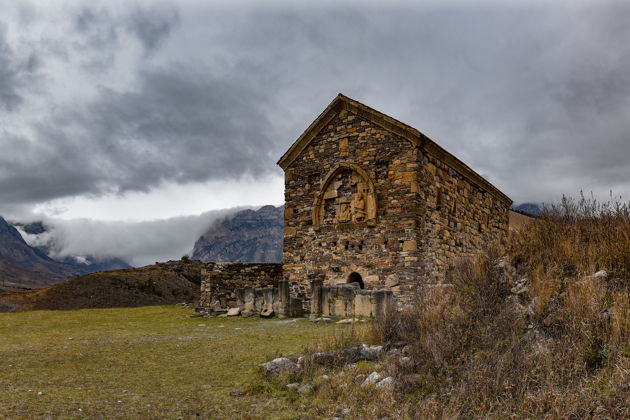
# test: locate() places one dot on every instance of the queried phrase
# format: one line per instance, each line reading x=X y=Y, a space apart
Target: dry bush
x=562 y=350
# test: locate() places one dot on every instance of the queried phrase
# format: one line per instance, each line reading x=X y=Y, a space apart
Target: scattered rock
x=324 y=377
x=322 y=319
x=405 y=361
x=234 y=312
x=387 y=383
x=306 y=389
x=247 y=314
x=348 y=321
x=237 y=394
x=370 y=353
x=601 y=274
x=372 y=378
x=293 y=387
x=281 y=364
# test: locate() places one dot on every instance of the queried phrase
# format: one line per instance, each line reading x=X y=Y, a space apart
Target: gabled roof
x=415 y=137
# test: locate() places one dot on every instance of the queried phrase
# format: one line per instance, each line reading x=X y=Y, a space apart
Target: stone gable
x=369 y=198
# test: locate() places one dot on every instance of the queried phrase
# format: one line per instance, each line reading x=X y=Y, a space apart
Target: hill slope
x=160 y=284
x=248 y=236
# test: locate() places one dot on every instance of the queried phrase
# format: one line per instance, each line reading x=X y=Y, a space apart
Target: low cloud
x=138 y=243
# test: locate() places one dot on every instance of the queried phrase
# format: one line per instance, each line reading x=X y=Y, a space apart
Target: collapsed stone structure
x=260 y=289
x=369 y=201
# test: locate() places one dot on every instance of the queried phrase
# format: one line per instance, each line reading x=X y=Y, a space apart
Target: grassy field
x=150 y=362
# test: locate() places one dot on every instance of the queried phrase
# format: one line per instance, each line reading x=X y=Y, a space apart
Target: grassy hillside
x=159 y=284
x=142 y=363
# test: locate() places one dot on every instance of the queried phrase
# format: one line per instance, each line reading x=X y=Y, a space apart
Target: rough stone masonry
x=371 y=200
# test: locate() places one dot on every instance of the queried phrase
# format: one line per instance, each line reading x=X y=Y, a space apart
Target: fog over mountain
x=138 y=243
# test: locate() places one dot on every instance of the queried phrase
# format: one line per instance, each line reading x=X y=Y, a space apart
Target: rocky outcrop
x=248 y=236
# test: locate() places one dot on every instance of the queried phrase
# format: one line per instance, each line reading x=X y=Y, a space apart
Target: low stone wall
x=259 y=289
x=348 y=300
x=220 y=281
x=268 y=301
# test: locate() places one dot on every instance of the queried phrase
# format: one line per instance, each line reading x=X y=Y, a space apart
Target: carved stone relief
x=348 y=196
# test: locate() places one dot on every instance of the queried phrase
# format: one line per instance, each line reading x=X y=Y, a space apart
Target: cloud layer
x=114 y=97
x=138 y=243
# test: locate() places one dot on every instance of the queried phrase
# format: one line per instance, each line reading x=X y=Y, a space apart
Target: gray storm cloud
x=126 y=96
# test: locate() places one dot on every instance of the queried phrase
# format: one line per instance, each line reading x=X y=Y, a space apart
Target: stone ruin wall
x=259 y=289
x=380 y=249
x=426 y=215
x=220 y=281
x=461 y=216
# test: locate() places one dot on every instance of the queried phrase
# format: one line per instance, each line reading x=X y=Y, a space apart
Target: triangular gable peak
x=415 y=137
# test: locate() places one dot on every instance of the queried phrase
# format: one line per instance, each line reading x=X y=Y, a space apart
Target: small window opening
x=355 y=277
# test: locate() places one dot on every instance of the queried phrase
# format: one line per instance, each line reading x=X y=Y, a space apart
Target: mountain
x=24 y=266
x=529 y=209
x=248 y=236
x=159 y=284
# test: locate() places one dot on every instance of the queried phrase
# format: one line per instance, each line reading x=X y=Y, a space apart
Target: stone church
x=371 y=200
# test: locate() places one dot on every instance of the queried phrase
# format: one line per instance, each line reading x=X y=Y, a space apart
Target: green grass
x=151 y=362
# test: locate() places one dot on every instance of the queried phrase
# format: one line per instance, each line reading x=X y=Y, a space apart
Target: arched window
x=355 y=277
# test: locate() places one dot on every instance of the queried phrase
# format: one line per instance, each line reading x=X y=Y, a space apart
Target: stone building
x=371 y=200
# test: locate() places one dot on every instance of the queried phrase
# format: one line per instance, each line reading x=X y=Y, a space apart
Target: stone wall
x=348 y=300
x=220 y=281
x=461 y=216
x=327 y=231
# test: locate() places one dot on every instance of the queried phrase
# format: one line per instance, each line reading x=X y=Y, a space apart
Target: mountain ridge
x=247 y=236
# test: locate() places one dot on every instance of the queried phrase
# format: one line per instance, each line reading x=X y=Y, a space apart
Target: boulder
x=372 y=379
x=234 y=312
x=348 y=320
x=279 y=365
x=306 y=389
x=387 y=383
x=294 y=386
x=370 y=352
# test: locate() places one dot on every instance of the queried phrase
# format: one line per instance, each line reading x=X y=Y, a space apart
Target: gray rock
x=279 y=365
x=405 y=361
x=293 y=387
x=306 y=389
x=601 y=274
x=372 y=378
x=371 y=352
x=387 y=383
x=531 y=308
x=234 y=312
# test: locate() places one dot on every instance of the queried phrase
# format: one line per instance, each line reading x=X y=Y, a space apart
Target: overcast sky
x=123 y=110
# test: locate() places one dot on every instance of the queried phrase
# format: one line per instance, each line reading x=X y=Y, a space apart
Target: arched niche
x=347 y=195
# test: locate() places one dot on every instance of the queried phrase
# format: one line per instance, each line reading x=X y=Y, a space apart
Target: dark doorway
x=355 y=277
